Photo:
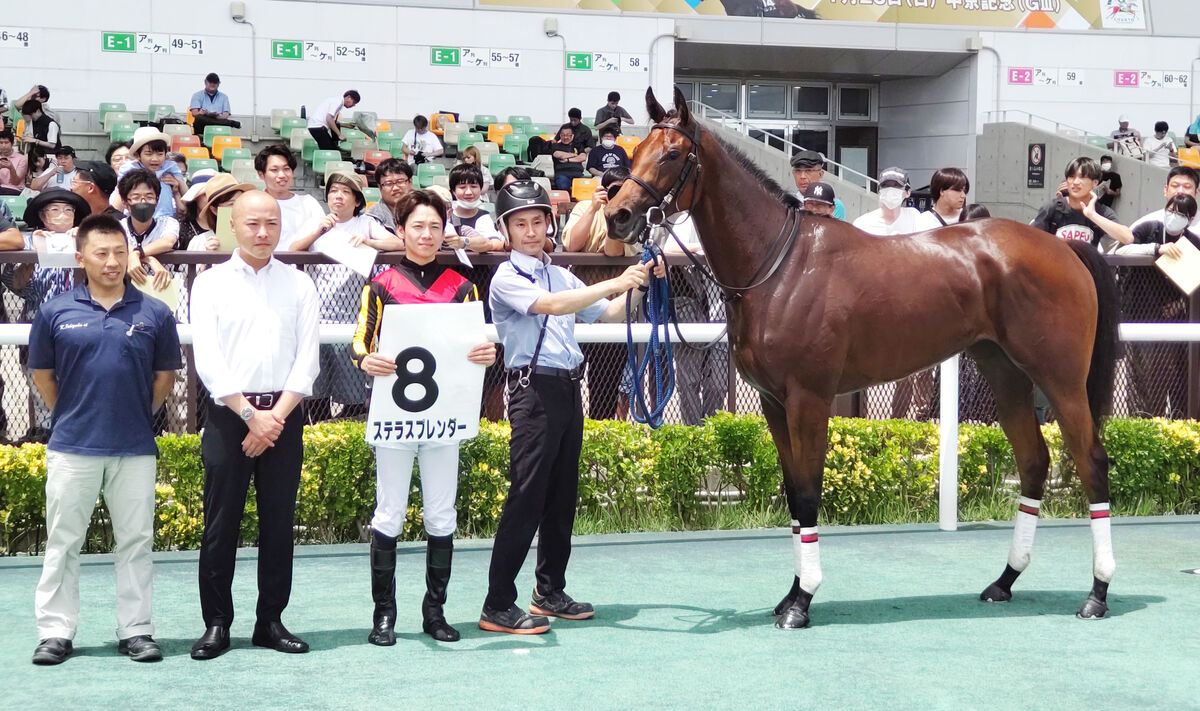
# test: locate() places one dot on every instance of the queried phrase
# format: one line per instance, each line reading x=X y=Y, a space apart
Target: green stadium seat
x=501 y=161
x=371 y=194
x=519 y=119
x=465 y=139
x=113 y=118
x=122 y=134
x=537 y=129
x=514 y=144
x=122 y=127
x=320 y=158
x=290 y=124
x=277 y=117
x=308 y=148
x=212 y=131
x=591 y=122
x=426 y=171
x=16 y=205
x=229 y=155
x=482 y=121
x=159 y=111
x=107 y=107
x=348 y=135
x=388 y=135
x=195 y=164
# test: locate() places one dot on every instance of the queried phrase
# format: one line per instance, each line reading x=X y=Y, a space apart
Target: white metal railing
x=18 y=335
x=1001 y=116
x=744 y=127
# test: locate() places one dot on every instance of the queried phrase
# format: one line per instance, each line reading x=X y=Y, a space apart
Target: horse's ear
x=655 y=109
x=681 y=108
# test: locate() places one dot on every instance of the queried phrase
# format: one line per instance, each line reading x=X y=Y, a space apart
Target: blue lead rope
x=658 y=354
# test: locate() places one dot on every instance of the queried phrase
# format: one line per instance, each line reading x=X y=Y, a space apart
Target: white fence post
x=948 y=447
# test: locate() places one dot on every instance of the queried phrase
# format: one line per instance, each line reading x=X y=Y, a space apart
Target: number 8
x=423 y=377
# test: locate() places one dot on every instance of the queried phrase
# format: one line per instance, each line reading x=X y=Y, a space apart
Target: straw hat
x=144 y=135
x=355 y=181
x=215 y=189
x=199 y=178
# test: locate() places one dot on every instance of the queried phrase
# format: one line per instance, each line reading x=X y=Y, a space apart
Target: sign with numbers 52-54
x=435 y=393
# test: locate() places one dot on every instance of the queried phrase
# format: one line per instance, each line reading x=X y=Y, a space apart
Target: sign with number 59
x=434 y=394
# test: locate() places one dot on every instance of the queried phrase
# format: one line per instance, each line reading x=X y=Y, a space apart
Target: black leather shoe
x=514 y=620
x=273 y=635
x=54 y=650
x=213 y=644
x=560 y=604
x=141 y=648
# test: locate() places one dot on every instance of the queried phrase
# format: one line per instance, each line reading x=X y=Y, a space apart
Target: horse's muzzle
x=625 y=226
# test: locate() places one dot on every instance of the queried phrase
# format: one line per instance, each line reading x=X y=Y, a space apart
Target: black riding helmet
x=523 y=195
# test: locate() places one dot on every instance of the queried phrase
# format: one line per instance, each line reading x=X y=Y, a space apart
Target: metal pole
x=948 y=447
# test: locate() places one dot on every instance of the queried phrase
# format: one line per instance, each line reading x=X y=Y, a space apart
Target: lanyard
x=523 y=380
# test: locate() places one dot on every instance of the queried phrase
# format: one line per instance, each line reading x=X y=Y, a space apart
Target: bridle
x=656 y=215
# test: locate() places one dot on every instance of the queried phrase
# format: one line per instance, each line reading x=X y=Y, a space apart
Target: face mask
x=142 y=212
x=1174 y=223
x=608 y=143
x=1106 y=166
x=891 y=198
x=467 y=204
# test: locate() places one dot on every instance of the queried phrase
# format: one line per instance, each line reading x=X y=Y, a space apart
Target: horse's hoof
x=1092 y=609
x=995 y=593
x=793 y=618
x=788 y=599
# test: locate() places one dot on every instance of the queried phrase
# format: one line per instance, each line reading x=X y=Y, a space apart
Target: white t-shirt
x=1158 y=215
x=60 y=181
x=293 y=214
x=163 y=226
x=426 y=143
x=196 y=244
x=329 y=107
x=928 y=220
x=1158 y=151
x=872 y=222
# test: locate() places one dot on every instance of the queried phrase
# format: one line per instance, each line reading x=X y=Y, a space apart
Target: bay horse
x=818 y=308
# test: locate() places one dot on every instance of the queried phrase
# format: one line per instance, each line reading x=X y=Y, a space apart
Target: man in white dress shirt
x=254 y=323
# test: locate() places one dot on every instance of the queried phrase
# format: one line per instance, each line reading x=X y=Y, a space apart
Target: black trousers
x=325 y=140
x=547 y=435
x=201 y=122
x=227 y=475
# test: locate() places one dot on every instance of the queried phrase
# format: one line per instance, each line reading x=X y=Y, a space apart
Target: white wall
x=927 y=123
x=396 y=81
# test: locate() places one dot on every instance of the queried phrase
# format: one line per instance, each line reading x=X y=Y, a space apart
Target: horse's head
x=664 y=167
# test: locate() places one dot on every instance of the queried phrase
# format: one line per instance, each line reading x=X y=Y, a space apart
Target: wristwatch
x=466 y=242
x=247 y=413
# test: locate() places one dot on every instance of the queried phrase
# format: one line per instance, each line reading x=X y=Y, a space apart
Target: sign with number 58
x=435 y=392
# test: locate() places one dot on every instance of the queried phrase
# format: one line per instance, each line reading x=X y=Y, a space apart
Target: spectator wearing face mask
x=469 y=226
x=1160 y=148
x=1110 y=183
x=607 y=155
x=1181 y=180
x=892 y=217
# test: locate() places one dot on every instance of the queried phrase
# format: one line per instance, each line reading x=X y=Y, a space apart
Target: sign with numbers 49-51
x=435 y=392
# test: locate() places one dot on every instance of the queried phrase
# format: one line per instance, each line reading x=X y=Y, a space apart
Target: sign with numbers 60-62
x=435 y=392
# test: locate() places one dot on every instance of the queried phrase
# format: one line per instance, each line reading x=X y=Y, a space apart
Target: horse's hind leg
x=776 y=418
x=1013 y=391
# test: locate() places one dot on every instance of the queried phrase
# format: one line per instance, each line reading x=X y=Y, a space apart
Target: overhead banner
x=999 y=14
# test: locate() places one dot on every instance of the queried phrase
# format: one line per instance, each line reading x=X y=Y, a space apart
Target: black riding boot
x=437 y=576
x=383 y=589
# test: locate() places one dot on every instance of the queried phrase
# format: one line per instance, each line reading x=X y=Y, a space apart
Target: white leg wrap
x=1103 y=563
x=806 y=556
x=1024 y=527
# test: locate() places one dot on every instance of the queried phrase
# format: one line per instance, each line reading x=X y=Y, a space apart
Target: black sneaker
x=514 y=620
x=560 y=604
x=141 y=648
x=54 y=650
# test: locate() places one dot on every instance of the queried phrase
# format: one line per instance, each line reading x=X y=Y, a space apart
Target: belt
x=262 y=401
x=575 y=374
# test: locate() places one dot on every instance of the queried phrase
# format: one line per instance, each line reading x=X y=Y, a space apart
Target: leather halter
x=656 y=214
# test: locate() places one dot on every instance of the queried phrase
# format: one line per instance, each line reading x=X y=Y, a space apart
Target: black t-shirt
x=583 y=136
x=562 y=166
x=1152 y=232
x=1114 y=183
x=602 y=158
x=604 y=113
x=1063 y=222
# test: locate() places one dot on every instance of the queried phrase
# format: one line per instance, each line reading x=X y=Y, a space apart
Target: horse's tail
x=1108 y=321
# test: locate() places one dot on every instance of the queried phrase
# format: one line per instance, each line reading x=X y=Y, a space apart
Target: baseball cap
x=100 y=174
x=819 y=192
x=895 y=176
x=1123 y=118
x=805 y=158
x=64 y=150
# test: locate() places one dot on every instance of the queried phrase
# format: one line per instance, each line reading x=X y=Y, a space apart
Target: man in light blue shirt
x=210 y=107
x=534 y=306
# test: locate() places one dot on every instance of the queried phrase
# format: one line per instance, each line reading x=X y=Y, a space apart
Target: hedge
x=876 y=471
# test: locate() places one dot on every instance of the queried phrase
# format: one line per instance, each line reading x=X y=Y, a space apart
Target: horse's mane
x=767 y=182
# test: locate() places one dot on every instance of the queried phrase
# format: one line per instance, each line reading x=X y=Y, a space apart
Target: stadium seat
x=107 y=107
x=211 y=131
x=582 y=188
x=277 y=117
x=387 y=135
x=122 y=128
x=442 y=180
x=179 y=142
x=242 y=166
x=375 y=157
x=487 y=150
x=536 y=129
x=629 y=143
x=468 y=139
x=122 y=135
x=348 y=135
x=501 y=161
x=296 y=142
x=450 y=135
x=382 y=125
x=335 y=166
x=360 y=146
x=157 y=112
x=309 y=148
x=290 y=123
x=256 y=182
x=191 y=152
x=558 y=198
x=545 y=183
x=438 y=123
x=514 y=144
x=1189 y=157
x=195 y=164
x=220 y=143
x=114 y=118
x=591 y=122
x=543 y=163
x=518 y=119
x=497 y=130
x=372 y=195
x=230 y=154
x=426 y=171
x=321 y=157
x=482 y=121
x=16 y=205
x=177 y=129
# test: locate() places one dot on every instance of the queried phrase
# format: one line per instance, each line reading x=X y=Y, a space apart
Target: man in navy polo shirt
x=103 y=358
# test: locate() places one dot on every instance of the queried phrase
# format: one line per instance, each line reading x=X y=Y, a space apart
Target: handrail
x=1029 y=119
x=744 y=127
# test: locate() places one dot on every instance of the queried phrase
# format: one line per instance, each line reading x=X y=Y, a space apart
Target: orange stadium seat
x=437 y=122
x=220 y=143
x=497 y=130
x=1189 y=157
x=582 y=188
x=178 y=143
x=191 y=152
x=629 y=143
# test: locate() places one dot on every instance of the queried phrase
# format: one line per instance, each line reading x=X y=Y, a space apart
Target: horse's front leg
x=808 y=430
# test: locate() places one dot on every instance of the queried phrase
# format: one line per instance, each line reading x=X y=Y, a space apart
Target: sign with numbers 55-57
x=435 y=393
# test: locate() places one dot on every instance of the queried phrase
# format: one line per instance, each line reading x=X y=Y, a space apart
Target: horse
x=818 y=308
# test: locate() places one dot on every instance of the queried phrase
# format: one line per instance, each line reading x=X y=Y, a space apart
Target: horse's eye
x=672 y=155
